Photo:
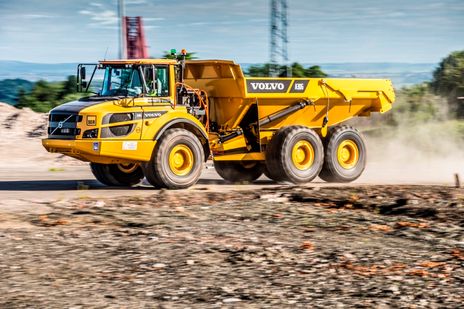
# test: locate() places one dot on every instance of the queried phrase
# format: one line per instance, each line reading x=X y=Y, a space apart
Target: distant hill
x=35 y=71
x=9 y=89
x=402 y=74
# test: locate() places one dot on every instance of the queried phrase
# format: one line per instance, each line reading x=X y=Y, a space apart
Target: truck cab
x=117 y=127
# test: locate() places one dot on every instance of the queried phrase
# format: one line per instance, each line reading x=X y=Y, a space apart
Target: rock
x=231 y=300
x=159 y=265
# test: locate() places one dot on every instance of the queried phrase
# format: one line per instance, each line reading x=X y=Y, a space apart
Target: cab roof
x=139 y=61
x=164 y=61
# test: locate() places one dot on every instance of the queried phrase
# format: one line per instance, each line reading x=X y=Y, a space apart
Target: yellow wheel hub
x=303 y=155
x=181 y=160
x=127 y=168
x=348 y=154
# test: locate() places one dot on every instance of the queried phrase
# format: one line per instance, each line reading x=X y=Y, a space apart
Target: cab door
x=159 y=98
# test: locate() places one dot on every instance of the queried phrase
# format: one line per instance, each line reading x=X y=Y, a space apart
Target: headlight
x=93 y=133
x=91 y=120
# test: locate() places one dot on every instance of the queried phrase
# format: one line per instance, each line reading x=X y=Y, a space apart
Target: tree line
x=43 y=96
x=440 y=99
x=294 y=70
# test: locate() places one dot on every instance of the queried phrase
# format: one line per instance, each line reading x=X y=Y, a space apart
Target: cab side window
x=157 y=79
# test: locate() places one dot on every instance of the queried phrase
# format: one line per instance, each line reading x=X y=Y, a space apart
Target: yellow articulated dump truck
x=162 y=119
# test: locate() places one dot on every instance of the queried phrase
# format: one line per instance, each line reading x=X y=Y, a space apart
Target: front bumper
x=102 y=151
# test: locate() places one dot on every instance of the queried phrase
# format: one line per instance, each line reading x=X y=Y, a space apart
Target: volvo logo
x=267 y=86
x=276 y=85
x=153 y=114
x=60 y=124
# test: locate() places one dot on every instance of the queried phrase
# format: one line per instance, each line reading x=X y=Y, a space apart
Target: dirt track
x=68 y=241
x=284 y=246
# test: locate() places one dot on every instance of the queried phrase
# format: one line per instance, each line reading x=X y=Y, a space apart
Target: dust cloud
x=417 y=154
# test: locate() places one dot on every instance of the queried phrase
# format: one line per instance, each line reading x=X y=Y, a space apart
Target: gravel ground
x=294 y=246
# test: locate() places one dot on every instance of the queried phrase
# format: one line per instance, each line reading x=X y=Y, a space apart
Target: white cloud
x=199 y=23
x=96 y=4
x=153 y=18
x=36 y=16
x=133 y=2
x=103 y=18
x=396 y=14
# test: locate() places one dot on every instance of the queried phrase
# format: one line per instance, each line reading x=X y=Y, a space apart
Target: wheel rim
x=127 y=168
x=181 y=160
x=303 y=155
x=348 y=154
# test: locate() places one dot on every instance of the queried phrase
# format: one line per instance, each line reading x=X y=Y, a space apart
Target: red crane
x=136 y=46
x=132 y=42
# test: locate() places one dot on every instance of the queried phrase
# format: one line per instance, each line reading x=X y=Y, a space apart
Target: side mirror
x=82 y=83
x=82 y=73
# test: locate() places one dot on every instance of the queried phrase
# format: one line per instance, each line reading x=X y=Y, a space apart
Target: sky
x=319 y=31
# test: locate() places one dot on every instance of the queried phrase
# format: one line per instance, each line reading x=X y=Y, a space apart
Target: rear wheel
x=295 y=154
x=117 y=174
x=239 y=171
x=177 y=160
x=345 y=155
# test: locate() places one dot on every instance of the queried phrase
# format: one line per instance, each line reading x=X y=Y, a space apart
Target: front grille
x=63 y=125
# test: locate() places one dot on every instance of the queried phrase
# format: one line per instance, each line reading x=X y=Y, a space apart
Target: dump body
x=236 y=102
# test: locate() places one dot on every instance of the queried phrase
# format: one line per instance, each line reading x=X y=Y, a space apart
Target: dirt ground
x=285 y=246
x=69 y=242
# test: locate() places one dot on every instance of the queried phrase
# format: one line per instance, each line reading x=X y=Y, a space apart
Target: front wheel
x=177 y=160
x=345 y=155
x=239 y=171
x=125 y=175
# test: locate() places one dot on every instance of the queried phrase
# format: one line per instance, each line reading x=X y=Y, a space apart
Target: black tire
x=266 y=172
x=120 y=175
x=343 y=170
x=162 y=172
x=239 y=171
x=271 y=151
x=295 y=154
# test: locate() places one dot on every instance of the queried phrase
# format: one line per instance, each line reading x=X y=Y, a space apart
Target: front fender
x=154 y=129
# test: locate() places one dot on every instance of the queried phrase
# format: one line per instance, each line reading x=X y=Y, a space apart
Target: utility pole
x=279 y=39
x=122 y=31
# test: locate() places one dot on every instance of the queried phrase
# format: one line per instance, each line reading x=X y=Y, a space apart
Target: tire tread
x=329 y=172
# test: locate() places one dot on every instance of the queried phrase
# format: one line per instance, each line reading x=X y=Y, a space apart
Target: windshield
x=121 y=82
x=124 y=80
